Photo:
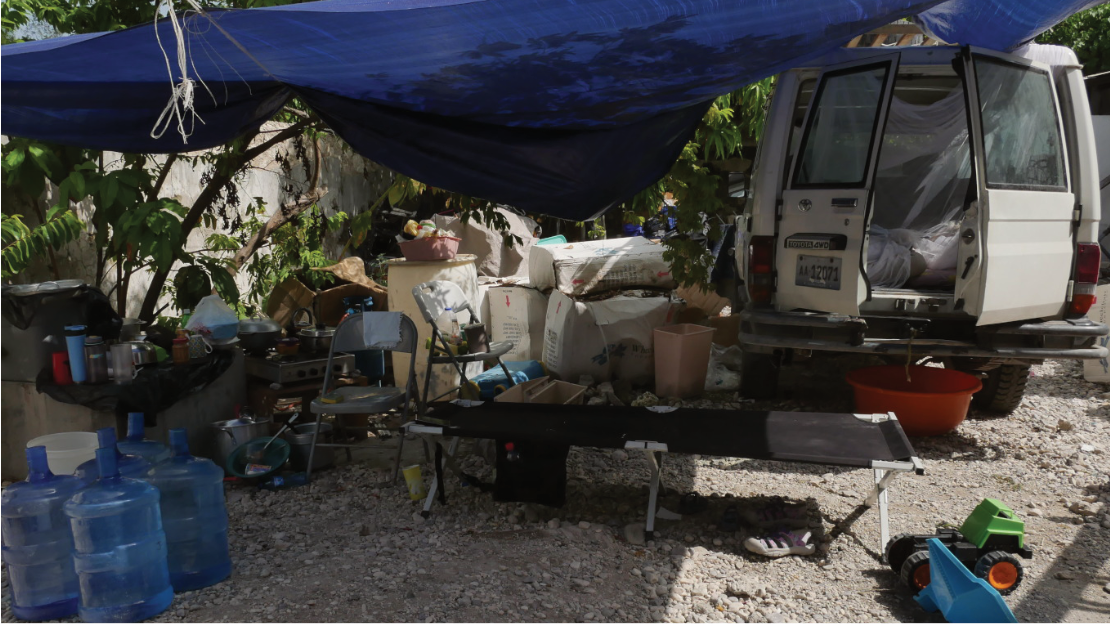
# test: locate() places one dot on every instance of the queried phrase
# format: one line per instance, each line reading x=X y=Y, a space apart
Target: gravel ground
x=345 y=549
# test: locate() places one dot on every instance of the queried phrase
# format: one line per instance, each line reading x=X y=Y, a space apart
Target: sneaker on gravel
x=778 y=515
x=781 y=544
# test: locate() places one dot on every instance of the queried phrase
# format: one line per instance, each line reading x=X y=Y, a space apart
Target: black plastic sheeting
x=155 y=388
x=92 y=306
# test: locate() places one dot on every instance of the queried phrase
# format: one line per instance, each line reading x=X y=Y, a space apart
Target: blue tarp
x=563 y=107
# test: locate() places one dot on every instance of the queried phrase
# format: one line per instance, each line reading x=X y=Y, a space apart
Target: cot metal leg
x=653 y=496
x=434 y=489
x=880 y=495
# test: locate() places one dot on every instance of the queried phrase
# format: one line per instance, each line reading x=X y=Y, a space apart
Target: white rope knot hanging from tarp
x=180 y=109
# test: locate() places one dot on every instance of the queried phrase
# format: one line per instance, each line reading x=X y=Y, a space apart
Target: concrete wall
x=353 y=184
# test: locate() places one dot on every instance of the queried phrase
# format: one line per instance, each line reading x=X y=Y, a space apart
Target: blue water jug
x=38 y=543
x=136 y=444
x=120 y=549
x=194 y=516
x=130 y=466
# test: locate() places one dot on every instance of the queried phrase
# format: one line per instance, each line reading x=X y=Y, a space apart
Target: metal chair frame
x=348 y=338
x=433 y=298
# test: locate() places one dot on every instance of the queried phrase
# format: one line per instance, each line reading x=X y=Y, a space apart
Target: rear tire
x=1003 y=389
x=759 y=375
x=915 y=571
x=1001 y=569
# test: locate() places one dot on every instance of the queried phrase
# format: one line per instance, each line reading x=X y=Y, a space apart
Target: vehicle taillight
x=761 y=269
x=1085 y=278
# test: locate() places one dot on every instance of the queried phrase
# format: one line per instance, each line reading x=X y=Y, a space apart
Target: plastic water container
x=131 y=466
x=120 y=549
x=38 y=542
x=193 y=515
x=136 y=444
x=66 y=451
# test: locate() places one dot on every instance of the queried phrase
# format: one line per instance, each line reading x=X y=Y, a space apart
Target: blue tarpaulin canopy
x=562 y=107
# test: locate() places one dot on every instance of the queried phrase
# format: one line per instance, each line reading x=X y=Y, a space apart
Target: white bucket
x=403 y=276
x=66 y=451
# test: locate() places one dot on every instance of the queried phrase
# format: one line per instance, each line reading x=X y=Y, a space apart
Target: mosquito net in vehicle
x=921 y=185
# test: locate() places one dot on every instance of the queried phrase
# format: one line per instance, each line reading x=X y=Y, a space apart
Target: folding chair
x=433 y=299
x=366 y=399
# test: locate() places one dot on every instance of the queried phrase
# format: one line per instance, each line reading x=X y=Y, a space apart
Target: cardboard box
x=544 y=390
x=286 y=298
x=607 y=339
x=1099 y=370
x=329 y=303
x=728 y=330
x=519 y=315
x=581 y=268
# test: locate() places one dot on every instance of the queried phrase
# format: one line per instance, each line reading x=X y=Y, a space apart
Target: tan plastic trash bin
x=682 y=359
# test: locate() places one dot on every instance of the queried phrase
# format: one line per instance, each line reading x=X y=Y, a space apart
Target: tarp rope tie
x=180 y=105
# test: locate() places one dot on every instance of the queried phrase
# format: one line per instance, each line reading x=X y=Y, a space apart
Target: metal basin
x=300 y=443
x=230 y=434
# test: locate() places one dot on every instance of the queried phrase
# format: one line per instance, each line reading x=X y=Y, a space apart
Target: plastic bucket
x=933 y=402
x=424 y=249
x=66 y=451
x=682 y=359
x=300 y=443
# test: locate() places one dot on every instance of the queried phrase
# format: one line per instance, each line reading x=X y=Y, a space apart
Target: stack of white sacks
x=585 y=308
x=605 y=299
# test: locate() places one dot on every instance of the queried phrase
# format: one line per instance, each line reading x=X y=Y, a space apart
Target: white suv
x=934 y=202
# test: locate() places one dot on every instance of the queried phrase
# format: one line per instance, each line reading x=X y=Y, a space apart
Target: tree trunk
x=222 y=174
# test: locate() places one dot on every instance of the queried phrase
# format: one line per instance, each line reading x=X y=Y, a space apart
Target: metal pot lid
x=258 y=325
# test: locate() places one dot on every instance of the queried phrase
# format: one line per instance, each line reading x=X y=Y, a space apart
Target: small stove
x=285 y=369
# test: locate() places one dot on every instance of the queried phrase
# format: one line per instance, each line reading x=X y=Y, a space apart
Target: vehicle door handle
x=845 y=202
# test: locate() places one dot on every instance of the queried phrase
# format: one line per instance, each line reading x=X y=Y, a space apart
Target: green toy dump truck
x=989 y=543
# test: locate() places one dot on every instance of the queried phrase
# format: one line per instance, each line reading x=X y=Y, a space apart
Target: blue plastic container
x=193 y=516
x=130 y=466
x=136 y=444
x=120 y=549
x=493 y=382
x=75 y=345
x=38 y=543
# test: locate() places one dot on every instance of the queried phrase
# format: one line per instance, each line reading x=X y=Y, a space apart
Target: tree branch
x=285 y=214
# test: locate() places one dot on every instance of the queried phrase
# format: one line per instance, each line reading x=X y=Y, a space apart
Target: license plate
x=818 y=272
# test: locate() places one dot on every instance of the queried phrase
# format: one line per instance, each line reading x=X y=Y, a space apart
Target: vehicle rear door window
x=1021 y=132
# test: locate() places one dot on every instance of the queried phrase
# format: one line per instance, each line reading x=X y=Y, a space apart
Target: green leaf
x=110 y=191
x=15 y=159
x=77 y=185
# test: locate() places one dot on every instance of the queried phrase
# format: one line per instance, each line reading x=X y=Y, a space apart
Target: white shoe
x=781 y=544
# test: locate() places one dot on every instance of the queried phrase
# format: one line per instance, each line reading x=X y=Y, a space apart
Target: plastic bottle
x=137 y=444
x=448 y=325
x=193 y=516
x=38 y=542
x=120 y=549
x=284 y=482
x=131 y=466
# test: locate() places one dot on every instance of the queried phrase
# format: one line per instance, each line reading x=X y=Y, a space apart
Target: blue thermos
x=38 y=542
x=119 y=547
x=75 y=345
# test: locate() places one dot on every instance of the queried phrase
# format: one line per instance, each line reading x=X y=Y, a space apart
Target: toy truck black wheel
x=915 y=571
x=898 y=550
x=1001 y=569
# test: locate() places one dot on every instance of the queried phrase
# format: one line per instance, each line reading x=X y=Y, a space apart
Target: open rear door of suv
x=826 y=202
x=1016 y=264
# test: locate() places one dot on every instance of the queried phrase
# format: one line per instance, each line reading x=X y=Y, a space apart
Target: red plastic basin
x=934 y=401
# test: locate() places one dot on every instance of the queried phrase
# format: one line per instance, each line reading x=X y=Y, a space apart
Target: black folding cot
x=870 y=441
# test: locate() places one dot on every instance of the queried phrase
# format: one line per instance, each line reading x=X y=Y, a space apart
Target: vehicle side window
x=836 y=148
x=1021 y=135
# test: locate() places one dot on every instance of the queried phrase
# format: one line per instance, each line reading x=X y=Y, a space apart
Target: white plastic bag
x=888 y=257
x=724 y=369
x=212 y=318
x=940 y=246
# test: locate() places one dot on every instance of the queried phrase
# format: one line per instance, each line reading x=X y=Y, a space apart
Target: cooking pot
x=258 y=334
x=143 y=353
x=316 y=339
x=230 y=434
